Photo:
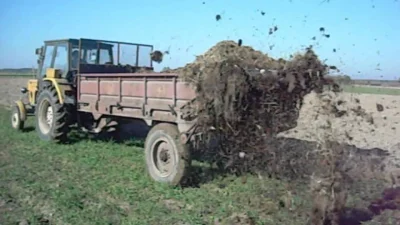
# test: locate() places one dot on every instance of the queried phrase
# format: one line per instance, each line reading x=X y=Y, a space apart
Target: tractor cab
x=66 y=58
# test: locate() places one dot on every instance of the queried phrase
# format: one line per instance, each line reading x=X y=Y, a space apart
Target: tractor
x=52 y=95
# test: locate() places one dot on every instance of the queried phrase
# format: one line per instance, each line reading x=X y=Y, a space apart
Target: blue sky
x=364 y=42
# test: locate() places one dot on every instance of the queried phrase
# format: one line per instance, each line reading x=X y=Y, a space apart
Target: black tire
x=165 y=134
x=16 y=121
x=58 y=128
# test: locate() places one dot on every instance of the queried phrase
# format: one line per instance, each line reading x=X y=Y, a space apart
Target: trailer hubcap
x=163 y=159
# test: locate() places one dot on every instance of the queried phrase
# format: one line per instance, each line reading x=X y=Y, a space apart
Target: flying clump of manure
x=245 y=96
x=157 y=56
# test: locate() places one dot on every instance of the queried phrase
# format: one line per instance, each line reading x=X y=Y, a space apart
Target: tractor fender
x=22 y=109
x=60 y=86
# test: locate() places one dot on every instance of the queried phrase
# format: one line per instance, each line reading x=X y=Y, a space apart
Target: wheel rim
x=45 y=116
x=15 y=119
x=163 y=157
x=49 y=115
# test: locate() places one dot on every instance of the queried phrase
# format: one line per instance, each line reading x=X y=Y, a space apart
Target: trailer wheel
x=167 y=159
x=16 y=118
x=51 y=116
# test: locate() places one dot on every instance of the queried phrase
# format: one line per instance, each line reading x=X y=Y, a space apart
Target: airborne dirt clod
x=156 y=56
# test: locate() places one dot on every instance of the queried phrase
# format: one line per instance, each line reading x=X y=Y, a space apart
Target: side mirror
x=39 y=51
x=24 y=90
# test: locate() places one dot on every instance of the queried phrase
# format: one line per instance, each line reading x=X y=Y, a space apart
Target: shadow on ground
x=28 y=129
x=131 y=134
x=388 y=205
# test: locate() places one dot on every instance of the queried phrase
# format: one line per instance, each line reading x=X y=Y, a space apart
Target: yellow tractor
x=51 y=96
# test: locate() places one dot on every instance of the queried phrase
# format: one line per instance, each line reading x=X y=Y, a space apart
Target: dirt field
x=382 y=133
x=10 y=89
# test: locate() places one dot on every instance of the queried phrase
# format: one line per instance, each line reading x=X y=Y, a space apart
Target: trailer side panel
x=151 y=96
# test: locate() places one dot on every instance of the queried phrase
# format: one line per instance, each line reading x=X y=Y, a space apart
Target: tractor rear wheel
x=167 y=159
x=51 y=116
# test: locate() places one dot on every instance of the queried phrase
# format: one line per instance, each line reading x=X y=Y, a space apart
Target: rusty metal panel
x=163 y=116
x=108 y=87
x=119 y=89
x=132 y=88
x=88 y=87
x=132 y=101
x=88 y=98
x=184 y=91
x=160 y=103
x=158 y=89
x=128 y=112
x=112 y=100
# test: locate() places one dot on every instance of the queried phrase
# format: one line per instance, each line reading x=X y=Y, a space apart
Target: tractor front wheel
x=16 y=118
x=51 y=116
x=167 y=159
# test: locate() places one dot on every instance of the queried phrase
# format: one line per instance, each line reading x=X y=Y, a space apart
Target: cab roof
x=76 y=41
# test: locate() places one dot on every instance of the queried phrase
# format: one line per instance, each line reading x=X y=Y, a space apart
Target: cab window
x=61 y=58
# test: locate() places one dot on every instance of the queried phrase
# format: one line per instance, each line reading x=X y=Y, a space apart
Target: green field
x=96 y=182
x=101 y=182
x=371 y=90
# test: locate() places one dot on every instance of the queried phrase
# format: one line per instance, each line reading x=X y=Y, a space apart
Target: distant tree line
x=17 y=71
x=342 y=79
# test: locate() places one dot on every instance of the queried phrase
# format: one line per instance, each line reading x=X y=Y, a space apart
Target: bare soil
x=10 y=89
x=364 y=127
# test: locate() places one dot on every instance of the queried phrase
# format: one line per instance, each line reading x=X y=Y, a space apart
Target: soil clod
x=379 y=107
x=156 y=56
